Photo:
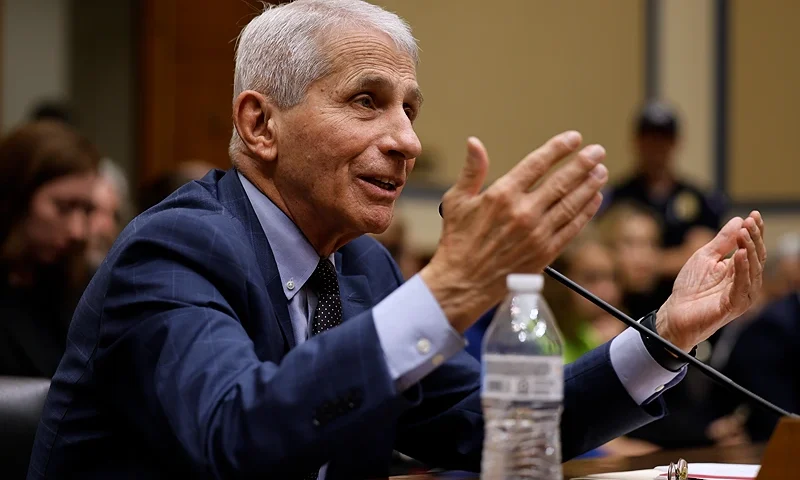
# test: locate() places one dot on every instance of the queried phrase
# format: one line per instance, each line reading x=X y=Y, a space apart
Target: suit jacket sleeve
x=177 y=366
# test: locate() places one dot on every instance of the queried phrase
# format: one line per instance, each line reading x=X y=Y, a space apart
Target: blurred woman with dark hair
x=583 y=325
x=47 y=175
x=633 y=233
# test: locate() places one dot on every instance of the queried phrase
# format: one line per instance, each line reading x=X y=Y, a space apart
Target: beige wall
x=687 y=80
x=103 y=75
x=35 y=56
x=463 y=50
x=764 y=100
x=516 y=72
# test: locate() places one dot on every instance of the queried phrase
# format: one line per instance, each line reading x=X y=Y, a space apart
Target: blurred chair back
x=21 y=403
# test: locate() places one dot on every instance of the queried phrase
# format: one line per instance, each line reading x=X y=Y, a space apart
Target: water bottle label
x=523 y=378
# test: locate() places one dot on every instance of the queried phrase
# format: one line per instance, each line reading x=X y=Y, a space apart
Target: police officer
x=689 y=217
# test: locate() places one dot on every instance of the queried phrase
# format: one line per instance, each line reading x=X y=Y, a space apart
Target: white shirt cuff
x=640 y=374
x=414 y=333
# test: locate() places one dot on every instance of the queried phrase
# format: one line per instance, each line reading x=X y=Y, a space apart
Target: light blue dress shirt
x=412 y=329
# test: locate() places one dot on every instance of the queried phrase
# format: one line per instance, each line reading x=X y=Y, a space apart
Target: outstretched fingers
x=725 y=241
x=537 y=163
x=569 y=231
x=740 y=293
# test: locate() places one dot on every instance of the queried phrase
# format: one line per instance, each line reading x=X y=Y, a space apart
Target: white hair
x=111 y=172
x=114 y=175
x=279 y=52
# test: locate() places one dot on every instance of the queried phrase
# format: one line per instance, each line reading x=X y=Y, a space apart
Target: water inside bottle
x=522 y=392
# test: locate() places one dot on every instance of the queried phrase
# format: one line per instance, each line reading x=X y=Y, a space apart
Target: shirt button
x=437 y=360
x=423 y=346
x=290 y=284
x=659 y=388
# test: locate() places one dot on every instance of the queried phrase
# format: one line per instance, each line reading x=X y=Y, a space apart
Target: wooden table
x=578 y=468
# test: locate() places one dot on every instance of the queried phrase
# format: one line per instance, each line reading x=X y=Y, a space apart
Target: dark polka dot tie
x=329 y=306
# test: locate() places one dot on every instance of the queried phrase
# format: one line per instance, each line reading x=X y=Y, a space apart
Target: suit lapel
x=354 y=289
x=233 y=196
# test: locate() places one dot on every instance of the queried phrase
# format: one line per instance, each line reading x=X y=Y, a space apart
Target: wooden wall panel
x=186 y=62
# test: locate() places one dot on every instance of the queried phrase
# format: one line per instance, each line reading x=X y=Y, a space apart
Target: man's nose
x=402 y=141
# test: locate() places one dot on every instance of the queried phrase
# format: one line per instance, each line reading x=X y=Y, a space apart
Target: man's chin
x=377 y=220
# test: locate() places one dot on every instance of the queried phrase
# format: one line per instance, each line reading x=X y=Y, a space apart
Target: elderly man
x=246 y=326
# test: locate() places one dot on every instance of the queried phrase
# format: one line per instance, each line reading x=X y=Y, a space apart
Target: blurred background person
x=766 y=360
x=583 y=325
x=48 y=173
x=112 y=210
x=633 y=233
x=780 y=279
x=784 y=276
x=760 y=350
x=53 y=110
x=194 y=169
x=688 y=215
x=162 y=186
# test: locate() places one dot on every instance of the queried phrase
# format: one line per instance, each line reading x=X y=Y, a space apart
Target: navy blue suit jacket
x=181 y=361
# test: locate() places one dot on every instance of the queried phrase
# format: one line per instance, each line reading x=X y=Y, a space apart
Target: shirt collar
x=294 y=255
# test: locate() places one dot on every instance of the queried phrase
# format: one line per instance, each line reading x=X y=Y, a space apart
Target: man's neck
x=315 y=231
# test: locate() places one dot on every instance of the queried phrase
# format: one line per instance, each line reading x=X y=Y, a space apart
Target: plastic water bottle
x=522 y=387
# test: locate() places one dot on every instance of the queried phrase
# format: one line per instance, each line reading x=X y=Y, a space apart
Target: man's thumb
x=725 y=241
x=475 y=168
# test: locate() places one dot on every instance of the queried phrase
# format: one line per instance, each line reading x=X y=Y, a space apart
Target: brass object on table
x=678 y=471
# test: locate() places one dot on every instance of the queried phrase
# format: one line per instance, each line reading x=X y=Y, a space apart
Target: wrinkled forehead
x=349 y=51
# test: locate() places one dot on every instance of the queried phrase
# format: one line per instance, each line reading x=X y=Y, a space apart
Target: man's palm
x=713 y=288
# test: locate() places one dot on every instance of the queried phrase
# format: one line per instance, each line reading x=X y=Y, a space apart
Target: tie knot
x=324 y=280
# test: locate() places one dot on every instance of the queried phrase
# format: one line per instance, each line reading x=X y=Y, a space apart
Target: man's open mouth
x=384 y=183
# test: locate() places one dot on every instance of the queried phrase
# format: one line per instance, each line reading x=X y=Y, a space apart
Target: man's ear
x=253 y=117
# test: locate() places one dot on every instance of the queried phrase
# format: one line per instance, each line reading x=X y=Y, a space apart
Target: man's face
x=344 y=153
x=593 y=267
x=655 y=151
x=637 y=251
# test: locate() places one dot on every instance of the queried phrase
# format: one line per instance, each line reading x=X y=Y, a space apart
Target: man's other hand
x=509 y=228
x=714 y=287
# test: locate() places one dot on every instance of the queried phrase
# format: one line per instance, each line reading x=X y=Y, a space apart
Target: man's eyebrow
x=378 y=82
x=417 y=94
x=373 y=81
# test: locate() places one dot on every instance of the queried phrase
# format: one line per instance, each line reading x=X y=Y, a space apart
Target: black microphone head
x=440 y=210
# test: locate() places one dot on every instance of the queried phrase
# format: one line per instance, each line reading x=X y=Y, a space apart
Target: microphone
x=707 y=370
